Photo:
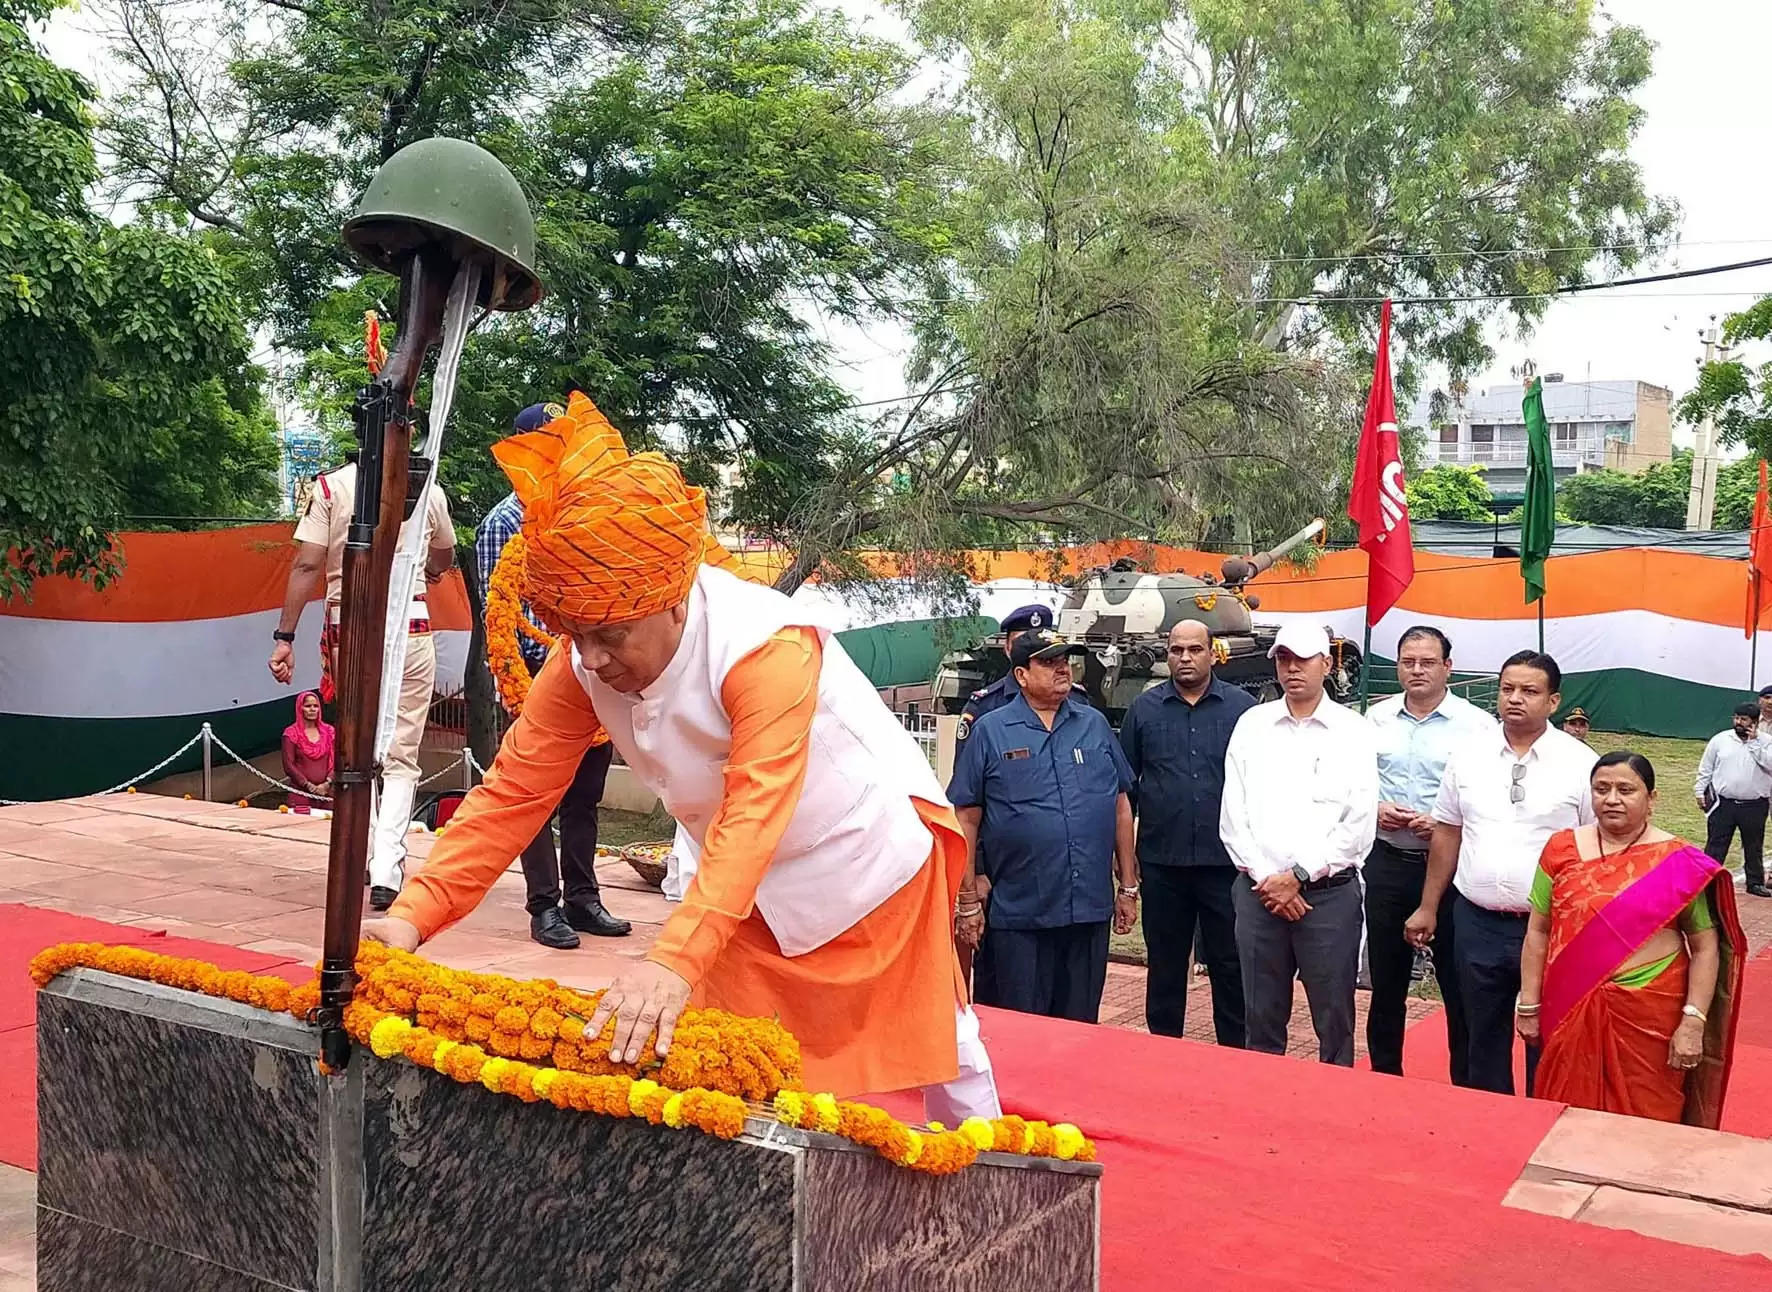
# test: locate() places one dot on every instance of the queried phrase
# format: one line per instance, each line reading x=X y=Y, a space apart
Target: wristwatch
x=1302 y=875
x=1128 y=892
x=281 y=636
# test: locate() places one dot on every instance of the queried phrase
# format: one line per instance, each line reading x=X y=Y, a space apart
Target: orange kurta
x=873 y=1008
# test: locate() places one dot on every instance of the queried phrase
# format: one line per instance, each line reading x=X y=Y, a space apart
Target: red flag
x=1377 y=502
x=1759 y=557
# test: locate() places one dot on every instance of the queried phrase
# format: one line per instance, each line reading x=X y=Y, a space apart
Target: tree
x=1656 y=497
x=700 y=177
x=122 y=356
x=1450 y=493
x=1416 y=148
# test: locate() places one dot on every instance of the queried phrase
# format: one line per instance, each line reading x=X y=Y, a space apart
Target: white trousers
x=973 y=1093
x=391 y=816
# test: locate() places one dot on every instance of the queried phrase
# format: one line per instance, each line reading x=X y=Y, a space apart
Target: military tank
x=1123 y=615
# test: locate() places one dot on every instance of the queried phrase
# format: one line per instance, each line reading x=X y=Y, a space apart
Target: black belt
x=1406 y=853
x=1328 y=881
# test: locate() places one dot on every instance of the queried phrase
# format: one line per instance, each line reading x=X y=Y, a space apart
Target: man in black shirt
x=1175 y=738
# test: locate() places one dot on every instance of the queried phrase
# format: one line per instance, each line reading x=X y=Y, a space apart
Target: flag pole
x=1753 y=648
x=1541 y=625
x=1366 y=667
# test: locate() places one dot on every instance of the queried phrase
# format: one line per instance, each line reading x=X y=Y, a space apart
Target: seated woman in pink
x=307 y=754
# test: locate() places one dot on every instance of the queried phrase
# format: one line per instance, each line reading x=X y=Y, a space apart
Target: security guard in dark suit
x=982 y=701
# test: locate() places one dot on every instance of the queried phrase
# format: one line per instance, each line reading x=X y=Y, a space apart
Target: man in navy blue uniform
x=1041 y=788
x=989 y=699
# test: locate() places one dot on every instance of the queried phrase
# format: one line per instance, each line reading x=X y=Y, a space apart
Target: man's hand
x=392 y=931
x=1125 y=913
x=1702 y=807
x=1422 y=826
x=1418 y=929
x=1277 y=891
x=1294 y=910
x=646 y=998
x=283 y=662
x=1394 y=816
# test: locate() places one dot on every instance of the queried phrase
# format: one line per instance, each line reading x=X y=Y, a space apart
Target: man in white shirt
x=320 y=546
x=1417 y=733
x=1734 y=781
x=1500 y=800
x=1299 y=810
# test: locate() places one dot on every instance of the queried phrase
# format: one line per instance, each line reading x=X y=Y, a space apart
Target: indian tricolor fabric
x=95 y=687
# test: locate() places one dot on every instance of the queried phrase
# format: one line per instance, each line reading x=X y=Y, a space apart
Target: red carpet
x=1224 y=1169
x=26 y=930
x=1248 y=1171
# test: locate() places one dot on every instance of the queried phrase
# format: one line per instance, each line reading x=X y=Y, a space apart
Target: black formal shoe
x=551 y=930
x=1759 y=890
x=593 y=919
x=380 y=898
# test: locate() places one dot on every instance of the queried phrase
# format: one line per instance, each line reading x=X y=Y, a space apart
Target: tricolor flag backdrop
x=97 y=687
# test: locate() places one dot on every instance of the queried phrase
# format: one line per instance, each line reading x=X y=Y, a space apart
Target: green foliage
x=1656 y=498
x=1450 y=493
x=124 y=376
x=699 y=176
x=1736 y=394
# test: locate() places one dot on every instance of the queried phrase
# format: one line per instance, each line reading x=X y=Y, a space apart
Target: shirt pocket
x=1096 y=773
x=1024 y=780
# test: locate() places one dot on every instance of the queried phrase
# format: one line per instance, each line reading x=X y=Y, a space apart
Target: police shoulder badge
x=965 y=727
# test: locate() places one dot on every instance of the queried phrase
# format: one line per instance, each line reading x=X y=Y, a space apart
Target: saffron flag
x=1759 y=556
x=1538 y=524
x=1377 y=500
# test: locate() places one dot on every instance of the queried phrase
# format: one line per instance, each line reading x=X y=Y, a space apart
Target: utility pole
x=1701 y=499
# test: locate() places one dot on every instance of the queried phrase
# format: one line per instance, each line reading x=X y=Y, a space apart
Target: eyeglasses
x=1516 y=793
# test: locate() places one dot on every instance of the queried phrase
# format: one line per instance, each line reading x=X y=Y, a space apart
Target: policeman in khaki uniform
x=985 y=700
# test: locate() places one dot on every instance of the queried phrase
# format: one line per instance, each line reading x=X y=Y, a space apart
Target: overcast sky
x=1703 y=143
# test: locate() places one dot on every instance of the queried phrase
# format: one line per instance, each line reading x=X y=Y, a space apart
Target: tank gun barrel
x=1238 y=570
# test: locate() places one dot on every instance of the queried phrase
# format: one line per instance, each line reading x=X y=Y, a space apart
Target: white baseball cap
x=1303 y=640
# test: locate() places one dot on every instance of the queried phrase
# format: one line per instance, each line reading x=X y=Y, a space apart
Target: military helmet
x=457 y=193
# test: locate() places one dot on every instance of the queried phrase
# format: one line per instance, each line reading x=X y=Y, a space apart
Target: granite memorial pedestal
x=190 y=1145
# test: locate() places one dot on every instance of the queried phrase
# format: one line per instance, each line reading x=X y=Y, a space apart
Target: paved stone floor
x=256 y=879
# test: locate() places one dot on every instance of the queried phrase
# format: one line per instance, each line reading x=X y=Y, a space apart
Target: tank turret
x=1124 y=616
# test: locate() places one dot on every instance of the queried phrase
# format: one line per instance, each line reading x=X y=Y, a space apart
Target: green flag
x=1538 y=524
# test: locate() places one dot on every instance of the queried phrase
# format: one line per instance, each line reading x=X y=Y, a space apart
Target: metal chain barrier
x=133 y=780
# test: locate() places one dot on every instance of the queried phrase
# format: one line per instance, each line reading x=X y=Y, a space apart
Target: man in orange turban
x=825 y=861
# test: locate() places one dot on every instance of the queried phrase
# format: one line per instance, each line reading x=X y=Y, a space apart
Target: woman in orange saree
x=1631 y=971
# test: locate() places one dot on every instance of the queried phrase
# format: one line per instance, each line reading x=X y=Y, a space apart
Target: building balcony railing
x=1512 y=453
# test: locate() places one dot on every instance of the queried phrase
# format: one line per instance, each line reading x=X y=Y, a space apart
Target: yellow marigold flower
x=443 y=1048
x=978 y=1132
x=388 y=1037
x=673 y=1112
x=543 y=1081
x=1067 y=1141
x=790 y=1106
x=490 y=1074
x=828 y=1116
x=937 y=1127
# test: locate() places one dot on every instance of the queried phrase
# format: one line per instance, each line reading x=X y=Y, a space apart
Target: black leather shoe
x=551 y=930
x=593 y=919
x=1759 y=890
x=381 y=898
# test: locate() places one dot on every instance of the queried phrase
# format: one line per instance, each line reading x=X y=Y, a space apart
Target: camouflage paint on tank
x=1152 y=604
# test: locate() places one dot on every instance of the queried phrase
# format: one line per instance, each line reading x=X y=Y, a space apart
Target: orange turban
x=610 y=536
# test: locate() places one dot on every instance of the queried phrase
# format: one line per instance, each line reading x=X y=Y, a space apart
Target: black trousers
x=984 y=965
x=1056 y=972
x=1488 y=955
x=1747 y=816
x=1322 y=950
x=1394 y=880
x=577 y=860
x=1180 y=904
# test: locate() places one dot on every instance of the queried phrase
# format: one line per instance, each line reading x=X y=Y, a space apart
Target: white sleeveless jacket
x=855 y=838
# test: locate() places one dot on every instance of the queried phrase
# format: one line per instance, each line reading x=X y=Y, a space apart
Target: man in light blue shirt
x=1417 y=732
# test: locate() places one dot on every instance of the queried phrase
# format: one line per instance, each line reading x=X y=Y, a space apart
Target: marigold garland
x=505 y=620
x=499 y=1033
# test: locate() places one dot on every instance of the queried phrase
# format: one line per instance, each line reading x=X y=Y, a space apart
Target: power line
x=1671 y=276
x=1500 y=253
